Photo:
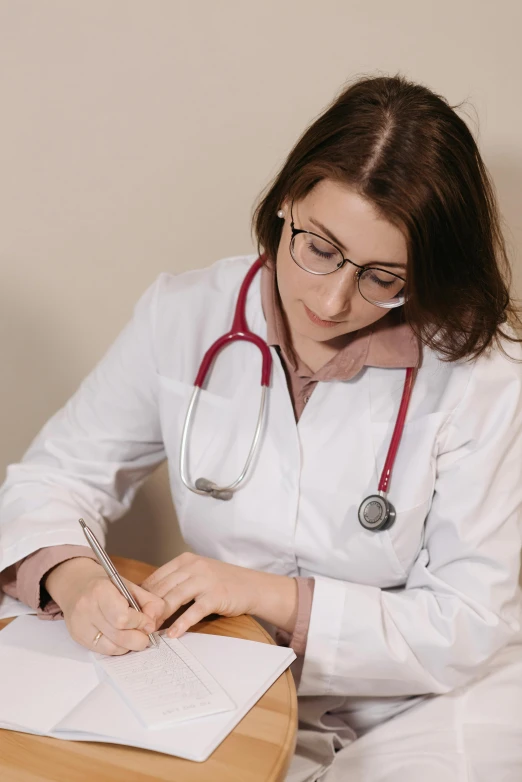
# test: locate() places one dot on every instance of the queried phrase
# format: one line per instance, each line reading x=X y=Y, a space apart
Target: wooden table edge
x=287 y=750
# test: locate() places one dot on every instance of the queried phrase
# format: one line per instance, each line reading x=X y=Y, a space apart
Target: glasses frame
x=359 y=269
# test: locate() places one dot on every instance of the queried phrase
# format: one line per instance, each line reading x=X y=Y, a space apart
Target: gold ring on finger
x=97 y=638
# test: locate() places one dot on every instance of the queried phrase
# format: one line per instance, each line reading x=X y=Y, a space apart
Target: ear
x=285 y=208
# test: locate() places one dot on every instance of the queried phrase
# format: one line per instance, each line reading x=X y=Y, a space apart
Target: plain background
x=136 y=137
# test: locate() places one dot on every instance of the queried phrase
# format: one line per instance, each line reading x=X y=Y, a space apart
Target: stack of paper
x=51 y=686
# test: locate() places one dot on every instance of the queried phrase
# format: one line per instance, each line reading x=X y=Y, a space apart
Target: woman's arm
x=90 y=458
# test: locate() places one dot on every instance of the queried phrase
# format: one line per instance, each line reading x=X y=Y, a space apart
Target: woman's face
x=323 y=308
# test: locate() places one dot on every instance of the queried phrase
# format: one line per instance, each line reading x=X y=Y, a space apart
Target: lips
x=327 y=324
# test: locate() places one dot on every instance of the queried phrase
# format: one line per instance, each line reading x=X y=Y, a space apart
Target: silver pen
x=111 y=571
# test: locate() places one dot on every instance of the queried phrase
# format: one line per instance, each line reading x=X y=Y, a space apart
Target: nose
x=340 y=289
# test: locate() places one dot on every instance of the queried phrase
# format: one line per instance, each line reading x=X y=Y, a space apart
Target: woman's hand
x=219 y=588
x=91 y=603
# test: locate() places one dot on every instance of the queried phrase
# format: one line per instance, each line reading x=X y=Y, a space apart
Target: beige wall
x=135 y=137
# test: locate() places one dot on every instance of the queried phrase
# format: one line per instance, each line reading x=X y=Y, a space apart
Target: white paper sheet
x=165 y=685
x=10 y=607
x=39 y=688
x=47 y=638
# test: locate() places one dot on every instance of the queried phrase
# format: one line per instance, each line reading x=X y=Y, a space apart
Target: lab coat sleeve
x=90 y=458
x=461 y=602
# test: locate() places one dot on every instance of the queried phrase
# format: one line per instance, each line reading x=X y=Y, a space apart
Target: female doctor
x=377 y=524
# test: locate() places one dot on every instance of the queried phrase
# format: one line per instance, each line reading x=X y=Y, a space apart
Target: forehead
x=354 y=221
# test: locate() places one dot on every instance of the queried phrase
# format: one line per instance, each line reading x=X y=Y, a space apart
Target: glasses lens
x=380 y=287
x=314 y=254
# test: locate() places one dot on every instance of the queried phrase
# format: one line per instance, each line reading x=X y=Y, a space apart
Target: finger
x=161 y=573
x=183 y=593
x=104 y=645
x=129 y=640
x=166 y=569
x=171 y=581
x=116 y=611
x=152 y=606
x=198 y=611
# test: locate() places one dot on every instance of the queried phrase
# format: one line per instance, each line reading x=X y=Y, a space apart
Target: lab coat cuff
x=305 y=596
x=324 y=632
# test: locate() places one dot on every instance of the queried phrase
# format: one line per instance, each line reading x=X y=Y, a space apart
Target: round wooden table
x=259 y=748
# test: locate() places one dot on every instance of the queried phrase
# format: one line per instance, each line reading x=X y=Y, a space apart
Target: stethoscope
x=376 y=513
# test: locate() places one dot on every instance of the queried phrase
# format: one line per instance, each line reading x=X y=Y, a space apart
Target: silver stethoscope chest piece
x=376 y=513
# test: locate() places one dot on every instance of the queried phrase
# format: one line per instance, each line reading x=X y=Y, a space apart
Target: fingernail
x=149 y=628
x=172 y=633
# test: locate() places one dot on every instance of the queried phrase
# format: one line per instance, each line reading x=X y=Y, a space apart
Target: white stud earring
x=281 y=214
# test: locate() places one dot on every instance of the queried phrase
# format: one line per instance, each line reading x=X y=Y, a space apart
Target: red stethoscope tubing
x=397 y=431
x=239 y=332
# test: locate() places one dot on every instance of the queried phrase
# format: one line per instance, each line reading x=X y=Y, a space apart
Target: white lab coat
x=422 y=608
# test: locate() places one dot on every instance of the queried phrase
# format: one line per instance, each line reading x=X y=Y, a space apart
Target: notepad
x=165 y=685
x=52 y=686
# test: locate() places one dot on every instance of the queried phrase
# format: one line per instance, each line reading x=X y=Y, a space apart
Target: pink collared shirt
x=387 y=343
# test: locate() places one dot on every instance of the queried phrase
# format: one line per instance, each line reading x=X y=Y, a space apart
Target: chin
x=321 y=334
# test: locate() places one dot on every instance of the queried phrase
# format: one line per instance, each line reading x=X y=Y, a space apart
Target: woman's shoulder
x=476 y=390
x=503 y=357
x=497 y=375
x=472 y=389
x=502 y=361
x=223 y=276
x=192 y=308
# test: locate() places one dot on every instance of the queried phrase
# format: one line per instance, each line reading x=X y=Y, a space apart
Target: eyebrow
x=341 y=246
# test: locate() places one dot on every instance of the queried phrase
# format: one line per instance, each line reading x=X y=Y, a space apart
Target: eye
x=320 y=249
x=382 y=278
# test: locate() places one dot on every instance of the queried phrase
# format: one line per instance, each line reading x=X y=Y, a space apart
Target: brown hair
x=407 y=151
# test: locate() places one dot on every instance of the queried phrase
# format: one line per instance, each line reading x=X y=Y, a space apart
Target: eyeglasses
x=317 y=255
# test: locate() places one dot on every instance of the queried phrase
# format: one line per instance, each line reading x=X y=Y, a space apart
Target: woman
x=384 y=261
